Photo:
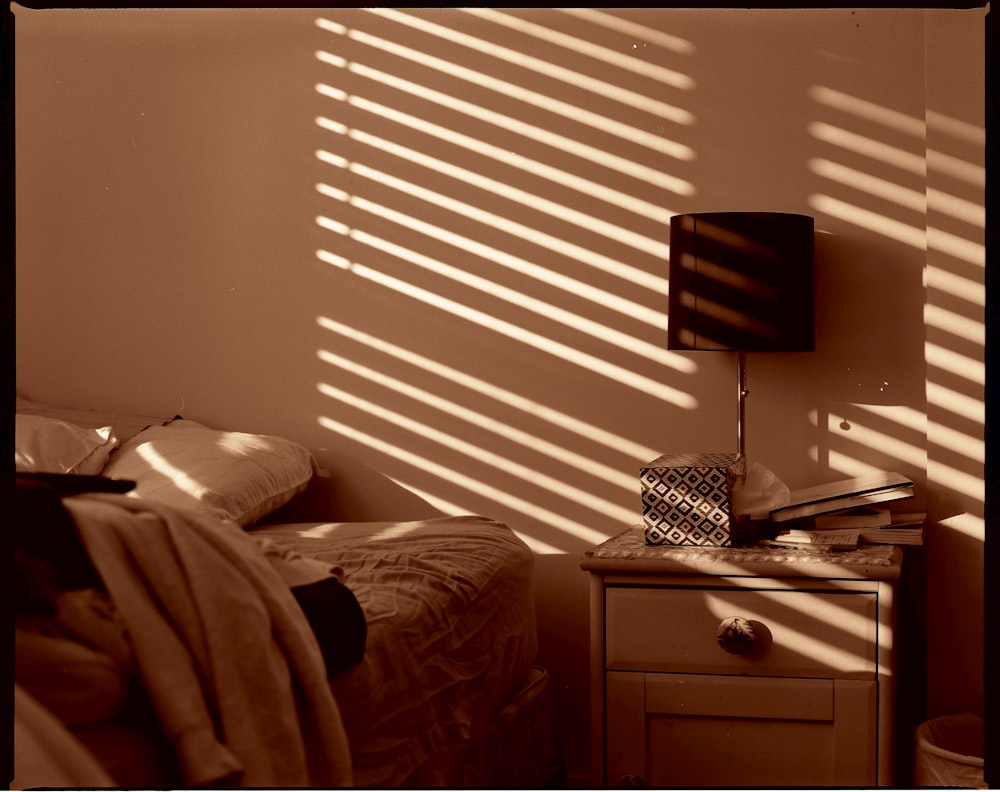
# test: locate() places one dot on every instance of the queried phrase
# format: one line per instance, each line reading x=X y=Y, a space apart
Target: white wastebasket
x=949 y=752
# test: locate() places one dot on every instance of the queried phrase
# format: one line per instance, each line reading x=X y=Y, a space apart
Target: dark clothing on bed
x=49 y=554
x=337 y=622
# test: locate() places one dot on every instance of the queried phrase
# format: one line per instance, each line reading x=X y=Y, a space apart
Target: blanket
x=47 y=754
x=226 y=656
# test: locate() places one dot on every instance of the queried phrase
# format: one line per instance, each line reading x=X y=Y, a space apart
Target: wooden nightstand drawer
x=798 y=633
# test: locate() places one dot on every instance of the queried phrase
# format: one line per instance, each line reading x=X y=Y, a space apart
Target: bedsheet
x=451 y=635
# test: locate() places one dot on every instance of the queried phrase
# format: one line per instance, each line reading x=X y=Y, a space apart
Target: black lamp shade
x=741 y=281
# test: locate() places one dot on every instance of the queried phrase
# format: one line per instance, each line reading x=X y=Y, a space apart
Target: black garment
x=337 y=621
x=49 y=553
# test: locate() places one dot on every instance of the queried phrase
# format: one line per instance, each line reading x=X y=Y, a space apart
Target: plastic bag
x=757 y=493
x=950 y=752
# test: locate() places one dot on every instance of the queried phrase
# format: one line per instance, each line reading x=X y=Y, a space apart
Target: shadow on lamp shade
x=741 y=281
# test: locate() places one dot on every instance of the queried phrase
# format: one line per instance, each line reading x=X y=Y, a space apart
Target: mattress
x=449 y=604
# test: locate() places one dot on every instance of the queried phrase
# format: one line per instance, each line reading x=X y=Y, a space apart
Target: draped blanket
x=225 y=654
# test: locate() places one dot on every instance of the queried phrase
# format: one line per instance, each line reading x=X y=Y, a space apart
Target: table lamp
x=741 y=282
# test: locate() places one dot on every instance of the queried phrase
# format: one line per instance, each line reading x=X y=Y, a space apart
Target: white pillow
x=123 y=425
x=233 y=475
x=49 y=445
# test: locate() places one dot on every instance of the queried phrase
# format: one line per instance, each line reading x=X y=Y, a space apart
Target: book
x=905 y=529
x=905 y=519
x=897 y=536
x=841 y=495
x=835 y=540
x=860 y=517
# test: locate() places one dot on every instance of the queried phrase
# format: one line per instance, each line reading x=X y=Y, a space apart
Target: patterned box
x=685 y=499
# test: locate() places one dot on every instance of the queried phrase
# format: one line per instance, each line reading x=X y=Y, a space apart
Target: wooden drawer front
x=798 y=633
x=696 y=730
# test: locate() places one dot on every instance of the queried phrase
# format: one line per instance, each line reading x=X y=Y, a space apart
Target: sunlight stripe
x=885 y=443
x=472 y=450
x=957 y=168
x=641 y=32
x=969 y=408
x=946 y=360
x=548 y=104
x=649 y=281
x=574 y=286
x=573 y=320
x=547 y=310
x=822 y=611
x=333 y=60
x=948 y=478
x=646 y=385
x=586 y=187
x=969 y=328
x=522 y=197
x=330 y=25
x=970 y=525
x=970 y=448
x=590 y=154
x=531 y=441
x=483 y=388
x=841 y=464
x=875 y=149
x=537 y=546
x=969 y=289
x=593 y=52
x=454 y=477
x=958 y=247
x=880 y=188
x=549 y=69
x=871 y=221
x=962 y=131
x=870 y=111
x=971 y=212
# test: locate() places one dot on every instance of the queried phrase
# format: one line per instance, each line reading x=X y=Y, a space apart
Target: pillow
x=123 y=425
x=50 y=445
x=233 y=475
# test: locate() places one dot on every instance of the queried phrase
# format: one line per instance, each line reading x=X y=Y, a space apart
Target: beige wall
x=955 y=369
x=436 y=241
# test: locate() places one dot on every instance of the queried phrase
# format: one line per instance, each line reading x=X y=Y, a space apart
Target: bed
x=198 y=561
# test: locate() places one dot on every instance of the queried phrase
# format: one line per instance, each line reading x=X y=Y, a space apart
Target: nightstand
x=798 y=692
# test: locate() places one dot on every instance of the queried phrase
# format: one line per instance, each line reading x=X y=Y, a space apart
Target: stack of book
x=845 y=514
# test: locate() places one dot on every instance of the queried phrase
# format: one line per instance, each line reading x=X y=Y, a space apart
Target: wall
x=955 y=317
x=436 y=241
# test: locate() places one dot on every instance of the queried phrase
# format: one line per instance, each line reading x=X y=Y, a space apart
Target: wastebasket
x=949 y=752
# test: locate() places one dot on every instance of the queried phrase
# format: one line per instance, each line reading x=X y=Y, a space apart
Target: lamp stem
x=742 y=393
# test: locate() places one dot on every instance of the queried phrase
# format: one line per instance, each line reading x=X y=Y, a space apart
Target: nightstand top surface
x=628 y=552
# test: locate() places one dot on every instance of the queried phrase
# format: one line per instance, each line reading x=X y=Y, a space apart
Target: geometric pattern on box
x=685 y=499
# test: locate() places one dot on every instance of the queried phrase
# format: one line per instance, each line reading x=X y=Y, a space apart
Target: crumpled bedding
x=221 y=645
x=451 y=634
x=47 y=754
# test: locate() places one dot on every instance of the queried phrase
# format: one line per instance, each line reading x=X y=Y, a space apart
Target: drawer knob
x=735 y=634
